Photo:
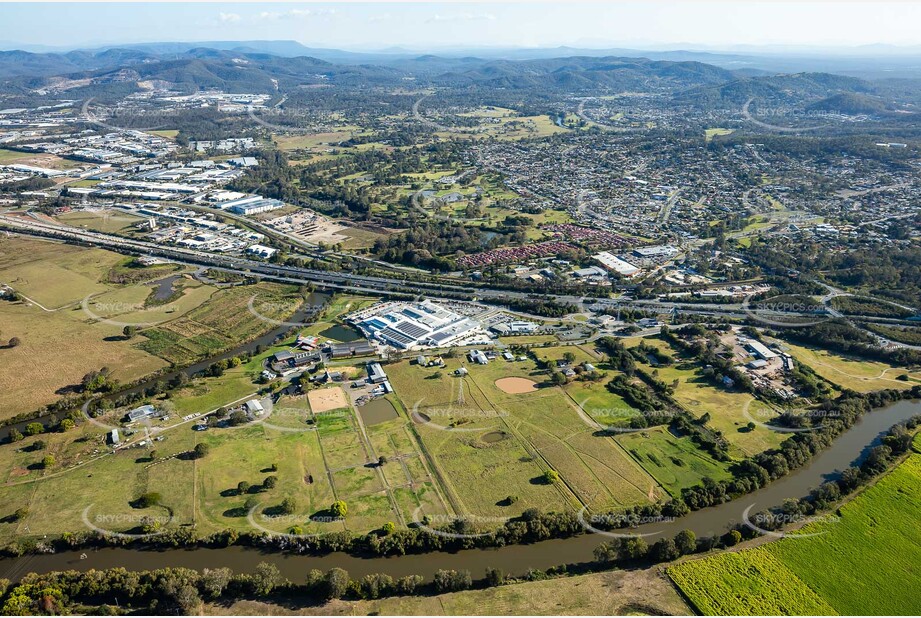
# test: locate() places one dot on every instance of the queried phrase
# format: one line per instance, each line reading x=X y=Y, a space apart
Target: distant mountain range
x=265 y=66
x=867 y=61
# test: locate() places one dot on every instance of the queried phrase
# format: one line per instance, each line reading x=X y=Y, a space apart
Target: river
x=848 y=449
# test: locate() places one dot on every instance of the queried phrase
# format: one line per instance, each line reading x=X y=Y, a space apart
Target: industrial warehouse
x=416 y=325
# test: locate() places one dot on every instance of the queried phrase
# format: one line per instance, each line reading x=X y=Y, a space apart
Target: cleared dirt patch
x=326 y=399
x=516 y=386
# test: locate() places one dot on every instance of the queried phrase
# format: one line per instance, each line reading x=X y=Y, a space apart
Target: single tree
x=339 y=508
x=201 y=449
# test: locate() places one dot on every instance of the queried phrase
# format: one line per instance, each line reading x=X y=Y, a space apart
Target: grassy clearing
x=725 y=407
x=54 y=274
x=100 y=221
x=608 y=408
x=539 y=430
x=57 y=349
x=307 y=142
x=37 y=159
x=856 y=374
x=674 y=462
x=529 y=340
x=709 y=134
x=315 y=466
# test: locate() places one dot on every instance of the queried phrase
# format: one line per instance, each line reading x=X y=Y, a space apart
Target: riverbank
x=611 y=593
x=184 y=591
x=826 y=565
x=848 y=449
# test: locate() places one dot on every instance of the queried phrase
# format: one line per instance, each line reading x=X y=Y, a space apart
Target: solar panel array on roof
x=397 y=337
x=413 y=330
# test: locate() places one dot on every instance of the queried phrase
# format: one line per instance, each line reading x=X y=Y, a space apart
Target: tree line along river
x=850 y=448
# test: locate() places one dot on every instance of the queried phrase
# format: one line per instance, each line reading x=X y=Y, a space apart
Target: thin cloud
x=462 y=17
x=229 y=18
x=295 y=13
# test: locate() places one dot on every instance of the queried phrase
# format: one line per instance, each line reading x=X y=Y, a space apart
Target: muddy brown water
x=378 y=410
x=494 y=436
x=850 y=448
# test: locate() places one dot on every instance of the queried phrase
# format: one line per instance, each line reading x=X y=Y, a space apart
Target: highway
x=368 y=284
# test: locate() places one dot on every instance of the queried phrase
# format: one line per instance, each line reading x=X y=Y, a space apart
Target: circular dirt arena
x=516 y=386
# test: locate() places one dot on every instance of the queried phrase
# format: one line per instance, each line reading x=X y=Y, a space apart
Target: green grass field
x=863 y=563
x=709 y=134
x=316 y=464
x=859 y=375
x=674 y=462
x=106 y=222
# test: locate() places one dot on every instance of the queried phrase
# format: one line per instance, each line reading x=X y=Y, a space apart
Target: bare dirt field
x=516 y=386
x=326 y=399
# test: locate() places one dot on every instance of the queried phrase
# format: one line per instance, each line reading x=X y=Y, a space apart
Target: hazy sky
x=440 y=25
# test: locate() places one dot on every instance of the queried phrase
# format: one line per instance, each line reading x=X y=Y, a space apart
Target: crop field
x=880 y=527
x=727 y=408
x=746 y=583
x=856 y=374
x=836 y=570
x=674 y=462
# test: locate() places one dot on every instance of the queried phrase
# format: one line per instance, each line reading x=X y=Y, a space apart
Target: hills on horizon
x=866 y=61
x=267 y=66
